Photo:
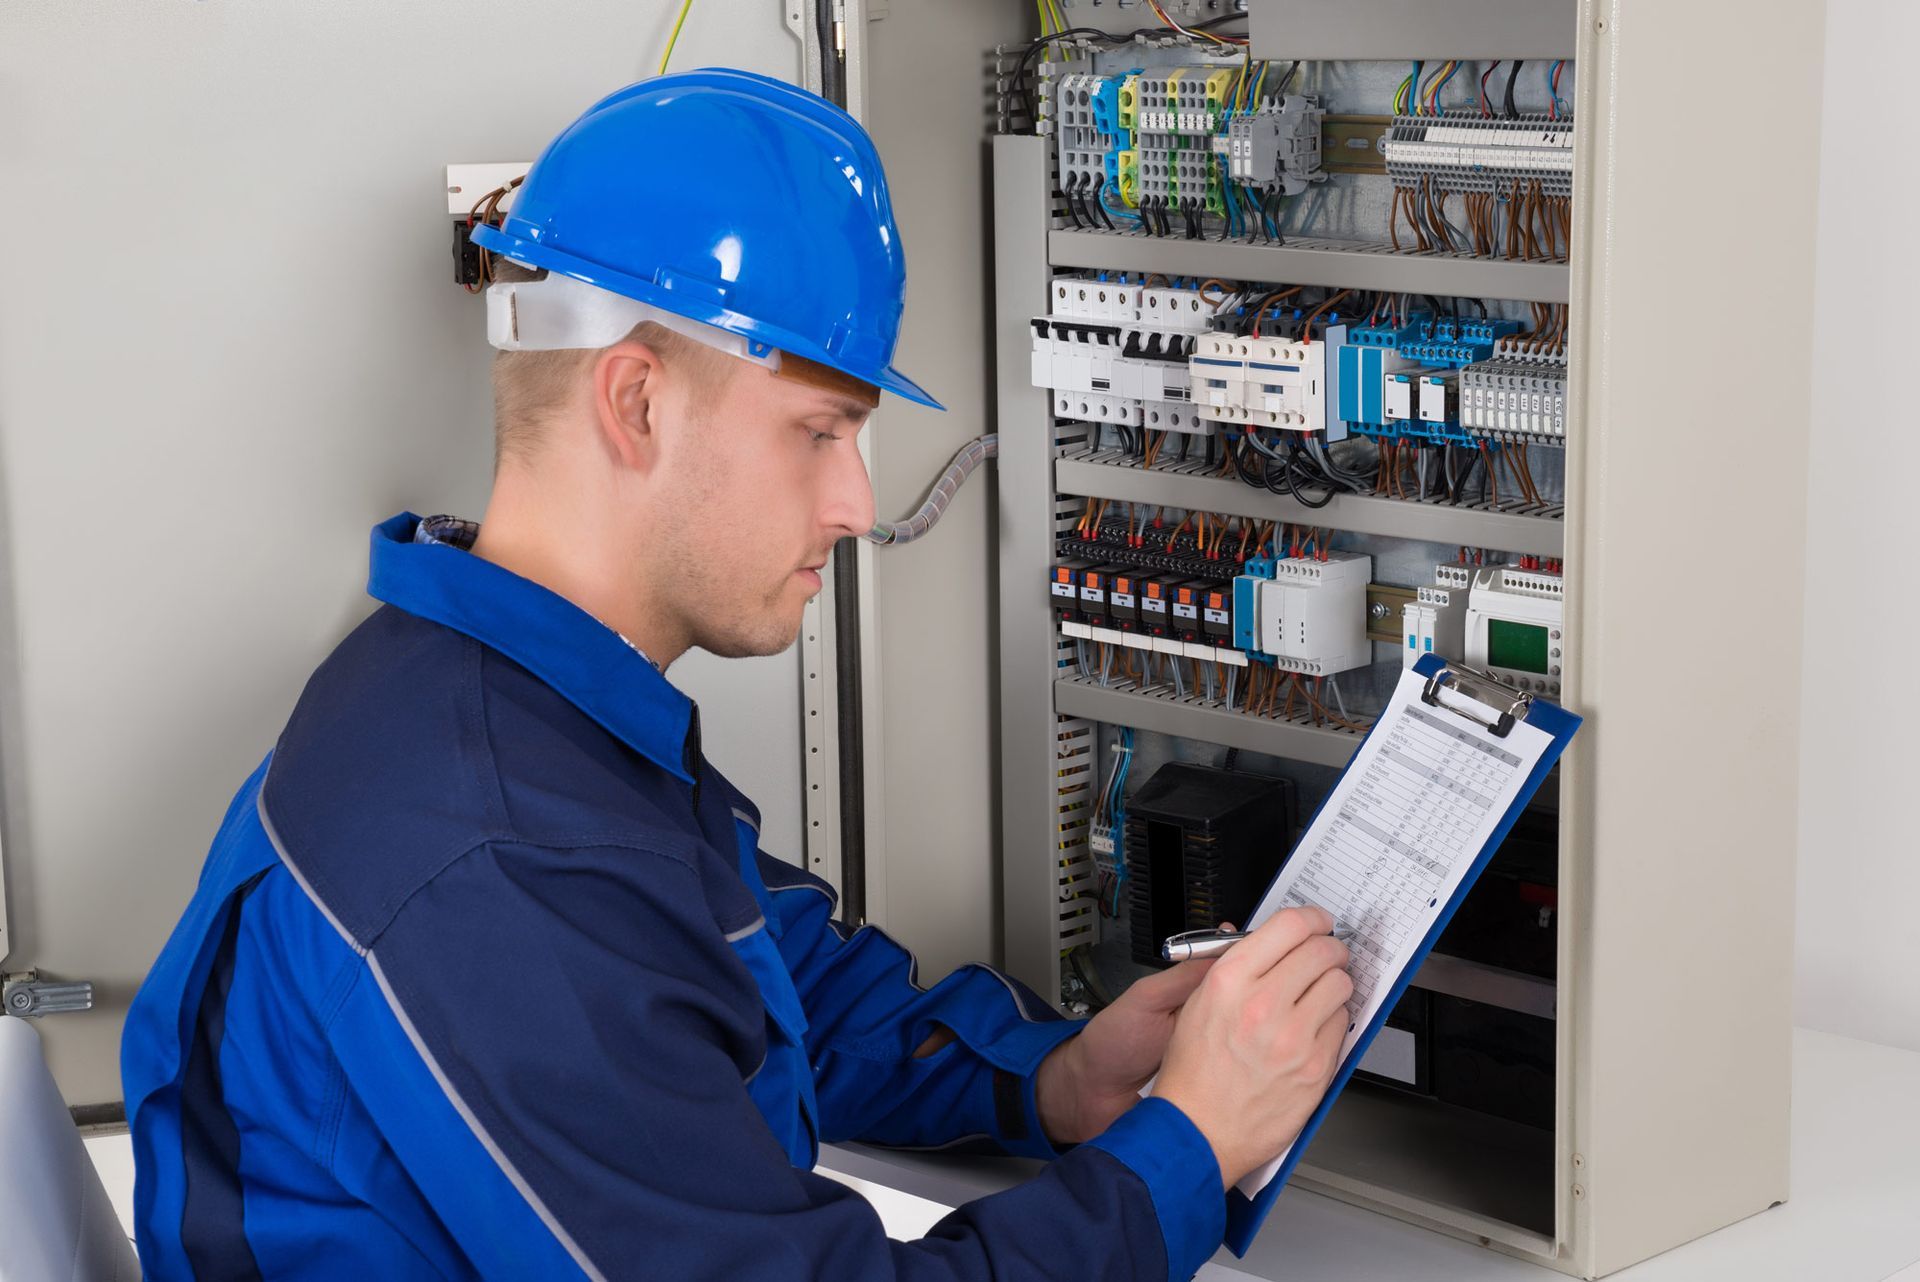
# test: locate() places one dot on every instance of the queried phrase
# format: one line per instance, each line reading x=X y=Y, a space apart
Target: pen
x=1211 y=943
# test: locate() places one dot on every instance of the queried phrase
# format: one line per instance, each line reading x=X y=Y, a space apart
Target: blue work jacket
x=485 y=976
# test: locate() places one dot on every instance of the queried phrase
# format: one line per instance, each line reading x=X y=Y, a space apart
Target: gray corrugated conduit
x=971 y=455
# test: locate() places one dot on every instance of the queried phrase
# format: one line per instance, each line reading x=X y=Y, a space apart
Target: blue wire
x=1122 y=211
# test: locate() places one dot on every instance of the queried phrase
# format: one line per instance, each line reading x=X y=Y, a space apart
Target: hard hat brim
x=710 y=312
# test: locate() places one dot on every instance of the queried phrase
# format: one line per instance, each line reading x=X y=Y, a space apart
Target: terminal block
x=1520 y=399
x=1277 y=148
x=1481 y=153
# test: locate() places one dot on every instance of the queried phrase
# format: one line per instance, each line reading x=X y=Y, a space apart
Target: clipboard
x=1495 y=707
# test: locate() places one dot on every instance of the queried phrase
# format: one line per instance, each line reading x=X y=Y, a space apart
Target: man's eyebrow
x=846 y=407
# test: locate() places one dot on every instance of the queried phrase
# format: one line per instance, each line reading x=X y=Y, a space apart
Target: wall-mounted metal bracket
x=27 y=995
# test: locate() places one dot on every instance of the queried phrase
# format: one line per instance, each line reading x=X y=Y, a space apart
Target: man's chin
x=765 y=637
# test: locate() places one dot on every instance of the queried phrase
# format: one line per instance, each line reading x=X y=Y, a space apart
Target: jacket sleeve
x=555 y=1045
x=867 y=1015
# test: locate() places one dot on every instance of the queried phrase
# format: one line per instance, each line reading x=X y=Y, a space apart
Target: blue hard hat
x=732 y=199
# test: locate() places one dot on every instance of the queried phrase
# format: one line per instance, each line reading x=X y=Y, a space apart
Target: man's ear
x=626 y=400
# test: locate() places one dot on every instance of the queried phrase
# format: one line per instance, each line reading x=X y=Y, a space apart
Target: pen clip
x=1199 y=937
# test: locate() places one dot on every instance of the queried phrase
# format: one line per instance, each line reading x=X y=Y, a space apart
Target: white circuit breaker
x=1116 y=352
x=1313 y=614
x=1267 y=382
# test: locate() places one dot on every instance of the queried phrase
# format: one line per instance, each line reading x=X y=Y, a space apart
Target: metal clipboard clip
x=1474 y=683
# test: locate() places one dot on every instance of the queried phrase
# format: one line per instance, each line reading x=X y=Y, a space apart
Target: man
x=485 y=975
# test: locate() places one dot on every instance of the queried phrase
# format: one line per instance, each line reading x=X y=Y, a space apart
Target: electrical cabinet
x=1616 y=1083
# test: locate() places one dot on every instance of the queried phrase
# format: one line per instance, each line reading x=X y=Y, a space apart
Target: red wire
x=1486 y=108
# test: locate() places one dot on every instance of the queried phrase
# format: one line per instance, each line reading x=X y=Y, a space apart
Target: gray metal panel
x=1397 y=518
x=1428 y=29
x=1297 y=742
x=1027 y=822
x=1679 y=796
x=1342 y=264
x=930 y=659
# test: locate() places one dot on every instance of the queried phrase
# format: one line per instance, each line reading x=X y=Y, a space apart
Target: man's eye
x=820 y=438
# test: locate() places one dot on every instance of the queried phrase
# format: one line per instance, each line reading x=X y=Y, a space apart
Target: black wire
x=1239 y=468
x=1512 y=113
x=1073 y=211
x=1073 y=33
x=1099 y=205
x=1026 y=61
x=1287 y=79
x=1300 y=470
x=831 y=69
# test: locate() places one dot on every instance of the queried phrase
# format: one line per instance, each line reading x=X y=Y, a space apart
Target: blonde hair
x=531 y=388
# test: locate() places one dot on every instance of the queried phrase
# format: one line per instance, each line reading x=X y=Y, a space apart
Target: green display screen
x=1517 y=647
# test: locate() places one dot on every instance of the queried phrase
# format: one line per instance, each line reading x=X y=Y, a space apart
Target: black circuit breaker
x=1123 y=599
x=1216 y=614
x=1156 y=595
x=1093 y=595
x=1063 y=589
x=1186 y=610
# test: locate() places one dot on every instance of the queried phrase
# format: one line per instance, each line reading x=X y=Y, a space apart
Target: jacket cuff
x=1155 y=1141
x=1016 y=1100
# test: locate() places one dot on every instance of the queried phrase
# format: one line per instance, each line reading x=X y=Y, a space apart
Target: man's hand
x=1092 y=1079
x=1259 y=1041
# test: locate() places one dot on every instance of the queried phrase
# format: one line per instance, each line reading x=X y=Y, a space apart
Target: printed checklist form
x=1432 y=791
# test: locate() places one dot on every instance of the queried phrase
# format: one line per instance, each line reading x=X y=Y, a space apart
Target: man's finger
x=1326 y=996
x=1260 y=951
x=1170 y=989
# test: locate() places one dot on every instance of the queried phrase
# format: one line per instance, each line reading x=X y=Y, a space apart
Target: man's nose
x=849 y=508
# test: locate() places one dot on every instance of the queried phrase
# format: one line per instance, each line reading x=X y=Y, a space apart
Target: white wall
x=1859 y=944
x=229 y=343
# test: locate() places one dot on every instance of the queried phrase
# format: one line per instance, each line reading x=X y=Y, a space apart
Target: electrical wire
x=1402 y=97
x=1199 y=30
x=674 y=38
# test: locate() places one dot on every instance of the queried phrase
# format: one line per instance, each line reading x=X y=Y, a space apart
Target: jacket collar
x=563 y=645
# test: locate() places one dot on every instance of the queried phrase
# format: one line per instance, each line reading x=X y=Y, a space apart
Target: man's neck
x=576 y=557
